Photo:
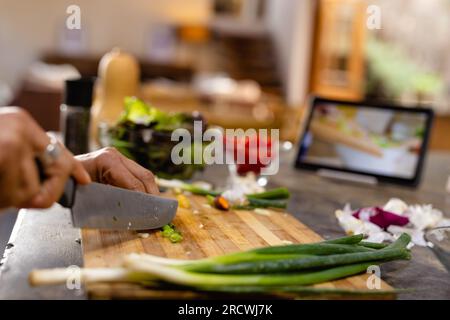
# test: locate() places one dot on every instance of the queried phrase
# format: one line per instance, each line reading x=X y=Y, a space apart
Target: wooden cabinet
x=338 y=55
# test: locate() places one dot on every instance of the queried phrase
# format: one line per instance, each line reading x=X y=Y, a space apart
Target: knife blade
x=103 y=206
x=100 y=206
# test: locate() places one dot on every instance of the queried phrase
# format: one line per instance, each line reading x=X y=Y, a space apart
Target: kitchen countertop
x=45 y=239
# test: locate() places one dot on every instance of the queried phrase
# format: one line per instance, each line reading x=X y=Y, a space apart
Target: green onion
x=354 y=239
x=248 y=256
x=266 y=203
x=200 y=191
x=357 y=239
x=312 y=248
x=262 y=254
x=300 y=291
x=396 y=250
x=297 y=264
x=401 y=242
x=243 y=207
x=175 y=237
x=186 y=278
x=327 y=247
x=278 y=193
x=373 y=245
x=87 y=275
x=170 y=232
x=210 y=200
x=258 y=270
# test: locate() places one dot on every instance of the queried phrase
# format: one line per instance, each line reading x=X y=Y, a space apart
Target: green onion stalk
x=280 y=268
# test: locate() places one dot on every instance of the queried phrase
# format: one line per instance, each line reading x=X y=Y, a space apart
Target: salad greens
x=139 y=112
x=143 y=134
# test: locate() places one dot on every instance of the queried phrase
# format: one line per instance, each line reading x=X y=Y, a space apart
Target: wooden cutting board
x=207 y=232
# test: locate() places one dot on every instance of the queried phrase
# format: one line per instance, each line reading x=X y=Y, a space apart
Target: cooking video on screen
x=365 y=139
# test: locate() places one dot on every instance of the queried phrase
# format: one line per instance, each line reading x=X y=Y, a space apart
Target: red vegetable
x=380 y=217
x=249 y=148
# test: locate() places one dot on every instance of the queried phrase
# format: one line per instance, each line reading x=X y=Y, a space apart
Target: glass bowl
x=151 y=148
x=438 y=240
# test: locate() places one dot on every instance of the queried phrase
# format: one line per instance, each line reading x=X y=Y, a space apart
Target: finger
x=11 y=193
x=79 y=173
x=50 y=191
x=67 y=162
x=38 y=138
x=30 y=184
x=119 y=176
x=145 y=176
x=57 y=175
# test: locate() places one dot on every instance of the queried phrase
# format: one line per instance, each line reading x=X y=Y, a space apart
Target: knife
x=100 y=206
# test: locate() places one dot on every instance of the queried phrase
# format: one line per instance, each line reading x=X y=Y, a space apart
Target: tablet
x=384 y=142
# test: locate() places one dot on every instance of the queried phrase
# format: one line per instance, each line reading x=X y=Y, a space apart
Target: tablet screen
x=374 y=140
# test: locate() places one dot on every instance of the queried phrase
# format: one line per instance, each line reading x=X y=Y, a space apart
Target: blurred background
x=242 y=63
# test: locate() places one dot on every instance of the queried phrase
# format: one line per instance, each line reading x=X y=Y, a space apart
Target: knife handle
x=68 y=197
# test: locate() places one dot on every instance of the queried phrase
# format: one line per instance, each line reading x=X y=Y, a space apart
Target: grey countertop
x=43 y=239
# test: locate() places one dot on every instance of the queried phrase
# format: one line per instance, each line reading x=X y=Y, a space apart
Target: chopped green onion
x=210 y=200
x=170 y=232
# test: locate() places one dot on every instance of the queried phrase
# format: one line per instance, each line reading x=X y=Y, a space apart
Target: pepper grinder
x=75 y=114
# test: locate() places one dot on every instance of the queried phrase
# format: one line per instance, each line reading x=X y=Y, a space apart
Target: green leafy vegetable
x=139 y=112
x=143 y=133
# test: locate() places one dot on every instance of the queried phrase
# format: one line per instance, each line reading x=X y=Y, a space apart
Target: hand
x=109 y=166
x=21 y=141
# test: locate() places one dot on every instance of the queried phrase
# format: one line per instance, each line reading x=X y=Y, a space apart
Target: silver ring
x=51 y=153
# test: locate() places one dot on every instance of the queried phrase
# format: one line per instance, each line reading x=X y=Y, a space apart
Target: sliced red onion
x=380 y=217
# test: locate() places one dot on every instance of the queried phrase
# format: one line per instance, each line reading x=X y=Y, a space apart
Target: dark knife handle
x=68 y=197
